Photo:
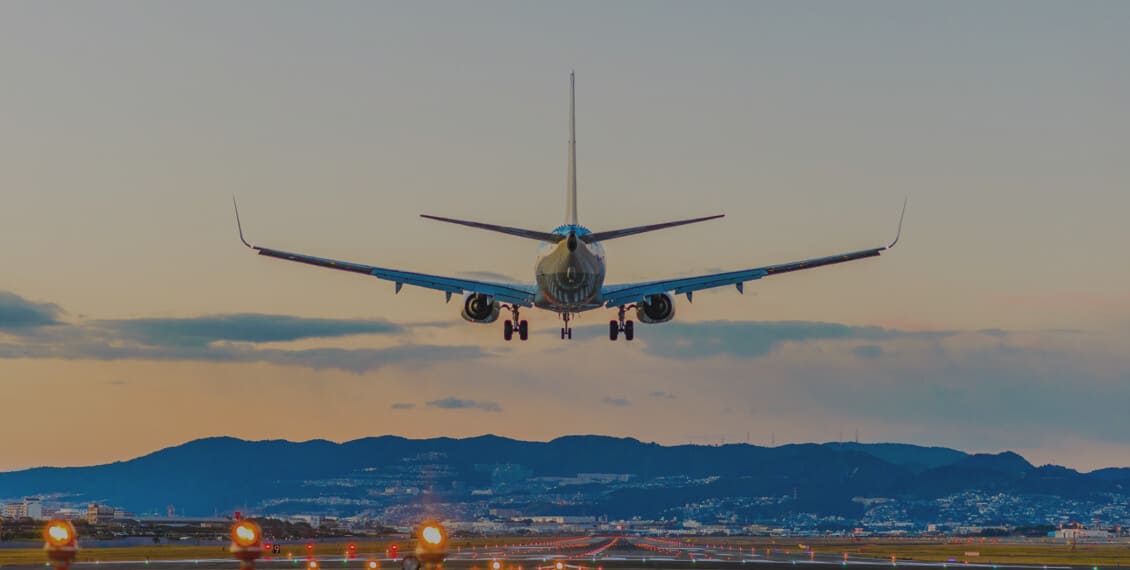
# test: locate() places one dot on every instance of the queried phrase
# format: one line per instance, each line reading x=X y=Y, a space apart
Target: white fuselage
x=570 y=273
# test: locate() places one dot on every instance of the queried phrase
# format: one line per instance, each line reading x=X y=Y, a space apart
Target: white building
x=33 y=508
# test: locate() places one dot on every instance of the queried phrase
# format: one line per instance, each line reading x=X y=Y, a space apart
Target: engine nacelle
x=656 y=309
x=479 y=308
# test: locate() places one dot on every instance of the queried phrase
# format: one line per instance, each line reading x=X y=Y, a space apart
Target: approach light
x=59 y=534
x=373 y=565
x=432 y=534
x=560 y=565
x=496 y=565
x=431 y=546
x=61 y=543
x=245 y=534
x=312 y=565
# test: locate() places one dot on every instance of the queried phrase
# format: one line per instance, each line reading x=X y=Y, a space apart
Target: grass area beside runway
x=366 y=547
x=1034 y=551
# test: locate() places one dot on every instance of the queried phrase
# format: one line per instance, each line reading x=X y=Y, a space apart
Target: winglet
x=901 y=216
x=238 y=225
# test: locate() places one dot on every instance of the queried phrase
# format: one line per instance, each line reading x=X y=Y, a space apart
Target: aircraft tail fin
x=571 y=182
x=613 y=234
x=530 y=234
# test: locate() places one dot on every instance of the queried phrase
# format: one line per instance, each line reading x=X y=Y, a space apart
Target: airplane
x=570 y=269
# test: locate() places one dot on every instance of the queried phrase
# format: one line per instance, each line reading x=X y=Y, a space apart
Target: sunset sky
x=132 y=319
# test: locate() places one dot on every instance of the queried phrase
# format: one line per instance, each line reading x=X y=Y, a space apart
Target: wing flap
x=620 y=295
x=506 y=293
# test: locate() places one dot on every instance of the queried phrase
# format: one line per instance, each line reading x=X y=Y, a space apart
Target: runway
x=585 y=553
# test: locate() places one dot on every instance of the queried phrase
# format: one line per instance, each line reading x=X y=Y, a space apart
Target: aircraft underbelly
x=569 y=281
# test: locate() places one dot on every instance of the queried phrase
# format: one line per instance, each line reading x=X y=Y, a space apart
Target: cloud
x=662 y=395
x=402 y=406
x=616 y=402
x=751 y=339
x=358 y=360
x=214 y=338
x=868 y=351
x=18 y=314
x=246 y=327
x=452 y=403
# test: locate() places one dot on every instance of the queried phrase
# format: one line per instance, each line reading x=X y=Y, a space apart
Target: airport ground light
x=61 y=543
x=431 y=548
x=246 y=543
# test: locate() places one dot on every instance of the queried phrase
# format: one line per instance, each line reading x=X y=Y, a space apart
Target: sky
x=131 y=318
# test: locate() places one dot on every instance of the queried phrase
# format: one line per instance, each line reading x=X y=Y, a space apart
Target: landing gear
x=621 y=326
x=566 y=331
x=515 y=325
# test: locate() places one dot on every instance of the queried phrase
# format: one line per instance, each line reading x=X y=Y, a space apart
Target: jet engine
x=479 y=308
x=656 y=309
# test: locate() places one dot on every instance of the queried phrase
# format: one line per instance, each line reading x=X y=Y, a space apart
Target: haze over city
x=131 y=318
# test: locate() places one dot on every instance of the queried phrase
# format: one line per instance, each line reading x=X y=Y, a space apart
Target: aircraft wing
x=620 y=295
x=505 y=292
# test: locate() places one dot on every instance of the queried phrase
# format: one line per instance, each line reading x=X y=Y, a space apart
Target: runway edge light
x=60 y=542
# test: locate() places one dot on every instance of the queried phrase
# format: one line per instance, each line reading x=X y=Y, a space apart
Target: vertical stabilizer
x=571 y=189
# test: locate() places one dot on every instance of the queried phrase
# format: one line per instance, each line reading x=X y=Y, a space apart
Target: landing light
x=496 y=565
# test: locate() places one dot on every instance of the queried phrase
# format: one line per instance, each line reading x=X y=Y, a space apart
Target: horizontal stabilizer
x=613 y=234
x=530 y=234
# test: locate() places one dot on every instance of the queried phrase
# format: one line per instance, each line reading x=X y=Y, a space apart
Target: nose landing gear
x=621 y=326
x=566 y=331
x=515 y=325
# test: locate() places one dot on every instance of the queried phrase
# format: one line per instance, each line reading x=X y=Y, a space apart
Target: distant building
x=1081 y=534
x=33 y=508
x=558 y=519
x=14 y=511
x=99 y=514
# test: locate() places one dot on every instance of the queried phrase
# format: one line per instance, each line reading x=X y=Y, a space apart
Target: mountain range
x=593 y=475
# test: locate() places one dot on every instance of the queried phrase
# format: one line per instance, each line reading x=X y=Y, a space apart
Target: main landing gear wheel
x=621 y=326
x=515 y=325
x=566 y=331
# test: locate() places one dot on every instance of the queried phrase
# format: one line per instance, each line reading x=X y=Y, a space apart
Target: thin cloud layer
x=752 y=339
x=39 y=334
x=245 y=327
x=452 y=403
